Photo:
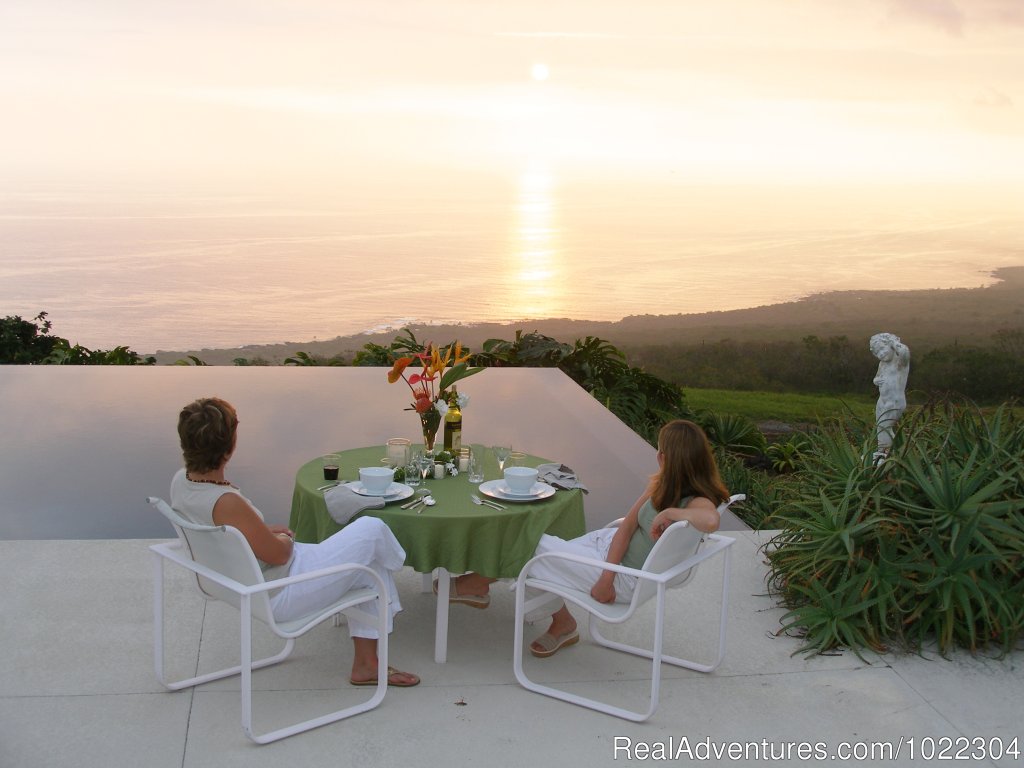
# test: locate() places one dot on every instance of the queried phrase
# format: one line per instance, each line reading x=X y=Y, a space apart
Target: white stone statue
x=891 y=380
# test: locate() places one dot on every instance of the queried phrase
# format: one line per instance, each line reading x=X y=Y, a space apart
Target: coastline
x=925 y=318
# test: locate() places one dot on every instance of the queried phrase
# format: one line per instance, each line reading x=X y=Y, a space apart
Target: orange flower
x=399 y=368
x=459 y=357
x=436 y=363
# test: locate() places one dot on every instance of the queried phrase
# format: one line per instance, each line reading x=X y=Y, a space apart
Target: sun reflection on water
x=535 y=264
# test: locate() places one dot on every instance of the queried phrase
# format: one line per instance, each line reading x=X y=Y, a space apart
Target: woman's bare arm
x=603 y=590
x=273 y=548
x=701 y=512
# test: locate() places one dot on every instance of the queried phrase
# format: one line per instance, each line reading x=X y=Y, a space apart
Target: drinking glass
x=413 y=476
x=397 y=452
x=501 y=453
x=476 y=464
x=331 y=462
x=515 y=459
x=426 y=466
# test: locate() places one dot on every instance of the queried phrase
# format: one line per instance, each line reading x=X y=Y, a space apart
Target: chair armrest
x=310 y=575
x=170 y=552
x=615 y=523
x=714 y=544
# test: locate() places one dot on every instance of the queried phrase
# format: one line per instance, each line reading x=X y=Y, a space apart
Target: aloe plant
x=927 y=546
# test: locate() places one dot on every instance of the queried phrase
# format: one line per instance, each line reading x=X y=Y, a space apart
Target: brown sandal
x=394 y=684
x=550 y=645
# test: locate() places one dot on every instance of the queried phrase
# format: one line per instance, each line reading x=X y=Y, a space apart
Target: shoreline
x=924 y=318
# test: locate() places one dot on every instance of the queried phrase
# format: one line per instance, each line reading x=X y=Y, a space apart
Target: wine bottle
x=453 y=424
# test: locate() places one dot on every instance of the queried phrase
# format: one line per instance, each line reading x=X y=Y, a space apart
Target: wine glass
x=501 y=453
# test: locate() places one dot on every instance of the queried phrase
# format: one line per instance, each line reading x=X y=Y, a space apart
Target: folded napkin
x=343 y=503
x=560 y=476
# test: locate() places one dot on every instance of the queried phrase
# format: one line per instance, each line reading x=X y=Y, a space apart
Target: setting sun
x=540 y=72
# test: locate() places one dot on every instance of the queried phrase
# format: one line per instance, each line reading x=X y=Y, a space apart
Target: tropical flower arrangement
x=439 y=370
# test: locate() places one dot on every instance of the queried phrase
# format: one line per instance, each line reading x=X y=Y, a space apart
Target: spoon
x=414 y=502
x=428 y=501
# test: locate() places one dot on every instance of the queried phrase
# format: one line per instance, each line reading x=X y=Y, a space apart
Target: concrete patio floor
x=77 y=686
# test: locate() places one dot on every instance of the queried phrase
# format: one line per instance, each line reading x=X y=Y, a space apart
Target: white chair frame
x=616 y=613
x=253 y=600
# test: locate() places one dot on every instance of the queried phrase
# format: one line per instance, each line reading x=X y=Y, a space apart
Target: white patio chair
x=226 y=569
x=671 y=563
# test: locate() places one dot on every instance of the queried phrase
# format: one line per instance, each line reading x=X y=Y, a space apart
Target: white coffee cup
x=376 y=480
x=520 y=480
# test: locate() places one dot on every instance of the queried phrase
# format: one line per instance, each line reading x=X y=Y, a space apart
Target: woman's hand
x=604 y=588
x=276 y=529
x=661 y=522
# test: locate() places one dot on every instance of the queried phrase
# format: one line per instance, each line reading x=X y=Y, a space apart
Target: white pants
x=577 y=575
x=365 y=541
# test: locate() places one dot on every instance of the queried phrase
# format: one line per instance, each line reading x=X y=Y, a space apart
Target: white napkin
x=343 y=503
x=560 y=476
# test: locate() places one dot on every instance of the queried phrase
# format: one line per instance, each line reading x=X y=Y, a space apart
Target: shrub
x=925 y=546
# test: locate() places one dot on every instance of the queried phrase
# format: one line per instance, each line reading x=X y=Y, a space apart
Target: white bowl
x=520 y=480
x=376 y=479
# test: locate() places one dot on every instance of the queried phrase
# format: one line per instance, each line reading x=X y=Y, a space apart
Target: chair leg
x=316 y=722
x=158 y=642
x=572 y=698
x=656 y=655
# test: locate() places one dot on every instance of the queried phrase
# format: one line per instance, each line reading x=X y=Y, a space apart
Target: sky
x=299 y=94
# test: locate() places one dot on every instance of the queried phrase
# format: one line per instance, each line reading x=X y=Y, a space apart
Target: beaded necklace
x=211 y=482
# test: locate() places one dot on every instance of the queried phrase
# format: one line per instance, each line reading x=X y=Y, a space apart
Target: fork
x=477 y=500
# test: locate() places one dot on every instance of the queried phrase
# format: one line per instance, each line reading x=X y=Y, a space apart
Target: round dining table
x=455 y=535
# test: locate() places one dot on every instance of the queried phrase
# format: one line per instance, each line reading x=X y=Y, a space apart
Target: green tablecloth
x=455 y=533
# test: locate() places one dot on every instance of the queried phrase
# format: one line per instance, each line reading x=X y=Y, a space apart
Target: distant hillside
x=925 y=319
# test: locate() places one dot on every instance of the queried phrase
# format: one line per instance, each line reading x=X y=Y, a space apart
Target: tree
x=24 y=342
x=30 y=343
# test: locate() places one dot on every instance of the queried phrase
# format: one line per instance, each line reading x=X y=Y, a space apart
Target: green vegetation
x=641 y=400
x=834 y=366
x=926 y=545
x=24 y=342
x=786 y=407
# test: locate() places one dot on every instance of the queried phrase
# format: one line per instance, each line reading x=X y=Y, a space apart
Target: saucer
x=394 y=492
x=498 y=489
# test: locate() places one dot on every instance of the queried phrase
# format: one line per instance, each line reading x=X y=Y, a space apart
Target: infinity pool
x=84 y=446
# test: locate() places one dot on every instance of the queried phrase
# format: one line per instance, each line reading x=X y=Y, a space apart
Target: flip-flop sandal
x=473 y=601
x=391 y=672
x=550 y=645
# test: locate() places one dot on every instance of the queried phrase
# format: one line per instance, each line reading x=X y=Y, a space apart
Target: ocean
x=175 y=270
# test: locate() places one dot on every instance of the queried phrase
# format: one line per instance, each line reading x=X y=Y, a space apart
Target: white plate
x=394 y=492
x=499 y=490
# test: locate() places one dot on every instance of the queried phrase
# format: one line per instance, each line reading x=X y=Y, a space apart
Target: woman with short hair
x=208 y=429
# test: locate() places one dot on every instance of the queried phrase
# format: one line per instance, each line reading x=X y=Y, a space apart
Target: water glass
x=412 y=474
x=476 y=464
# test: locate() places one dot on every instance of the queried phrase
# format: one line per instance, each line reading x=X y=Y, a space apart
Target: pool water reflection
x=84 y=446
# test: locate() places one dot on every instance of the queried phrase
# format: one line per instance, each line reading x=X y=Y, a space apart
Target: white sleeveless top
x=195 y=501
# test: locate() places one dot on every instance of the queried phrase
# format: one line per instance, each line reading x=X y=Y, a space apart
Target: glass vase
x=430 y=422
